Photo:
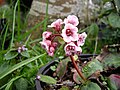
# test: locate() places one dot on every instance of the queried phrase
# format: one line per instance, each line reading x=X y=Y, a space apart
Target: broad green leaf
x=62 y=66
x=112 y=60
x=8 y=85
x=90 y=86
x=21 y=84
x=92 y=67
x=114 y=20
x=4 y=66
x=111 y=85
x=13 y=68
x=25 y=54
x=11 y=55
x=64 y=88
x=47 y=79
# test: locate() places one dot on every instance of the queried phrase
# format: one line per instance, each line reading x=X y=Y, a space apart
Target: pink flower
x=38 y=77
x=19 y=49
x=57 y=24
x=71 y=49
x=54 y=44
x=46 y=35
x=51 y=51
x=45 y=44
x=49 y=46
x=22 y=48
x=81 y=39
x=69 y=33
x=72 y=19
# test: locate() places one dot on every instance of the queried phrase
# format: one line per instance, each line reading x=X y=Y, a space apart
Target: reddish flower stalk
x=77 y=69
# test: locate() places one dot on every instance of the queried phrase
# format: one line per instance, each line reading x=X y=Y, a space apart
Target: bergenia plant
x=68 y=31
x=91 y=75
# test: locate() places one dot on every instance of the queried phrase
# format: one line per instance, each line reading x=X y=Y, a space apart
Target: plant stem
x=77 y=69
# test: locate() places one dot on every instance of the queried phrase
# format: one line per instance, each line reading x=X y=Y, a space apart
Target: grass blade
x=13 y=68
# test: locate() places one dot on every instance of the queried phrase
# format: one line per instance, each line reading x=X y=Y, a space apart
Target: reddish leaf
x=62 y=66
x=115 y=80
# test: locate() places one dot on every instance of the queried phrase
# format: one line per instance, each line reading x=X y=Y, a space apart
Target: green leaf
x=113 y=82
x=64 y=88
x=25 y=54
x=13 y=68
x=47 y=79
x=112 y=60
x=92 y=67
x=8 y=85
x=11 y=55
x=53 y=68
x=21 y=84
x=114 y=20
x=90 y=86
x=4 y=66
x=111 y=85
x=93 y=31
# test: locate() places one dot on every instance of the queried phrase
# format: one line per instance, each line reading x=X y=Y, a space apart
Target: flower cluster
x=22 y=48
x=73 y=40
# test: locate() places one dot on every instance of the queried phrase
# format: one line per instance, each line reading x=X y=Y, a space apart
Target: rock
x=60 y=9
x=56 y=7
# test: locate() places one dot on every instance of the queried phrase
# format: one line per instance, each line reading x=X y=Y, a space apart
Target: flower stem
x=77 y=69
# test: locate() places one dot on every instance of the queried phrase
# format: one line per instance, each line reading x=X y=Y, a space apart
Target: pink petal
x=45 y=44
x=71 y=48
x=74 y=37
x=57 y=24
x=72 y=19
x=73 y=30
x=81 y=39
x=51 y=51
x=54 y=44
x=67 y=39
x=46 y=34
x=72 y=27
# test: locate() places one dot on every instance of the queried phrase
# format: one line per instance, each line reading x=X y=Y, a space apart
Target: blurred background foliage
x=104 y=28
